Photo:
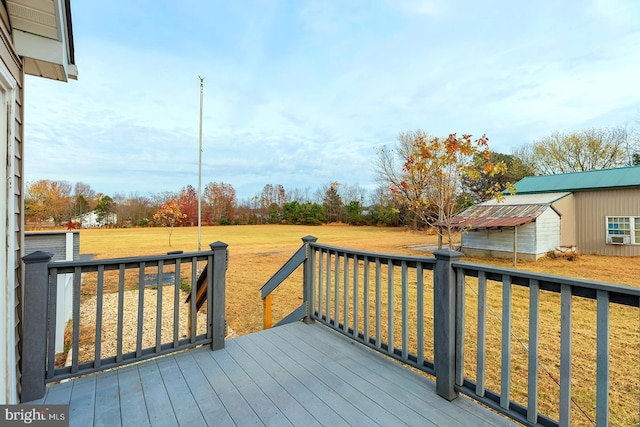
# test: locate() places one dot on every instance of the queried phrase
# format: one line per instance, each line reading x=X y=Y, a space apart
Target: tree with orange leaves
x=169 y=214
x=442 y=164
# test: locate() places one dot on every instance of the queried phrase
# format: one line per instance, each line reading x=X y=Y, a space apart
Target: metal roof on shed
x=498 y=215
x=527 y=199
x=627 y=177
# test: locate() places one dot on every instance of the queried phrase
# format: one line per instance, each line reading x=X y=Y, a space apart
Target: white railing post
x=34 y=325
x=445 y=322
x=308 y=269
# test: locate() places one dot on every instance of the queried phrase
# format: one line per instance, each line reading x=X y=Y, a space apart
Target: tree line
x=63 y=204
x=423 y=180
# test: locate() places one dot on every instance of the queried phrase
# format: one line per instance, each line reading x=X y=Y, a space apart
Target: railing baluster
x=602 y=363
x=210 y=272
x=140 y=330
x=176 y=303
x=565 y=355
x=336 y=290
x=345 y=295
x=534 y=330
x=159 y=300
x=99 y=297
x=366 y=298
x=481 y=346
x=77 y=280
x=405 y=310
x=193 y=311
x=312 y=254
x=390 y=307
x=320 y=280
x=505 y=377
x=120 y=312
x=420 y=313
x=327 y=301
x=53 y=307
x=378 y=305
x=460 y=325
x=355 y=296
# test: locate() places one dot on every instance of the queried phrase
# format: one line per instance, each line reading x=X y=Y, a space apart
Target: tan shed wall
x=13 y=63
x=566 y=208
x=592 y=208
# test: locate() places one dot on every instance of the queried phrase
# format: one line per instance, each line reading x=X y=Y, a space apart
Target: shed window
x=623 y=230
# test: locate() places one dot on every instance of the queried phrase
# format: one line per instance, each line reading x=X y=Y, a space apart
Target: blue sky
x=302 y=93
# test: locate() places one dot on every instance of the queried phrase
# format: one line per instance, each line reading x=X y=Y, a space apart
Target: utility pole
x=200 y=166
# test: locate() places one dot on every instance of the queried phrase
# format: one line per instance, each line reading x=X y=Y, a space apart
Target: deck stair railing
x=457 y=321
x=141 y=316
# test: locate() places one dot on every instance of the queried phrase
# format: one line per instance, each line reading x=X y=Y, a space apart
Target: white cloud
x=302 y=94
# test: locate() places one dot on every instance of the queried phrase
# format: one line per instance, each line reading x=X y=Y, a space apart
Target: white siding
x=501 y=239
x=547 y=232
x=10 y=194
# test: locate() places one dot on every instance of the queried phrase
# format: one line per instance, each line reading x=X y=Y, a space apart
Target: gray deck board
x=346 y=412
x=297 y=374
x=295 y=413
x=391 y=392
x=205 y=397
x=156 y=398
x=107 y=409
x=184 y=405
x=284 y=374
x=83 y=394
x=132 y=403
x=238 y=408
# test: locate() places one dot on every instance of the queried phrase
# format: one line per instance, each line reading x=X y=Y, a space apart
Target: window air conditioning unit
x=619 y=240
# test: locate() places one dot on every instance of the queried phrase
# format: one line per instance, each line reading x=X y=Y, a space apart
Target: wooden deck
x=295 y=374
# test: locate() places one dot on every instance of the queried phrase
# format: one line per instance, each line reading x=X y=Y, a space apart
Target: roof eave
x=43 y=36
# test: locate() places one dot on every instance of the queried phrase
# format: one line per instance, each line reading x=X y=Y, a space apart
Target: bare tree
x=576 y=151
x=391 y=172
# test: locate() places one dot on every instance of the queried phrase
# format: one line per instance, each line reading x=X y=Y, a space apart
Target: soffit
x=39 y=17
x=43 y=36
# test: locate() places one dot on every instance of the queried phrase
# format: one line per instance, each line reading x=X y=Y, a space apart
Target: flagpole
x=200 y=166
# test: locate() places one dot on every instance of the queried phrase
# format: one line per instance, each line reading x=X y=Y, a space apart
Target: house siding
x=592 y=208
x=13 y=182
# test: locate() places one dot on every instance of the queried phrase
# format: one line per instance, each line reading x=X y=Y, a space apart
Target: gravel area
x=130 y=321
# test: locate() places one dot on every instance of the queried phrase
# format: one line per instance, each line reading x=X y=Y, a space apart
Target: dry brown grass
x=257 y=252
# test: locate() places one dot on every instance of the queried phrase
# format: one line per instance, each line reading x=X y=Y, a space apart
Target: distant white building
x=90 y=220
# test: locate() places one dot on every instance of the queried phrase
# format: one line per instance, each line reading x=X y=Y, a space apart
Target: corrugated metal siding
x=547 y=232
x=54 y=242
x=502 y=239
x=592 y=208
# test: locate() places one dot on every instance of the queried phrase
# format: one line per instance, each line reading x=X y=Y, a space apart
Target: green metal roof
x=601 y=179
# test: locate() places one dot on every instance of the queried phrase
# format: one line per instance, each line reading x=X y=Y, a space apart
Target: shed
x=606 y=205
x=529 y=225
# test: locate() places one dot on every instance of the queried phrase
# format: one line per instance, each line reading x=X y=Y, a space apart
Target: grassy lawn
x=257 y=252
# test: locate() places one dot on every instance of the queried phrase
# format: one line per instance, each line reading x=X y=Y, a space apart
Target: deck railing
x=534 y=347
x=137 y=310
